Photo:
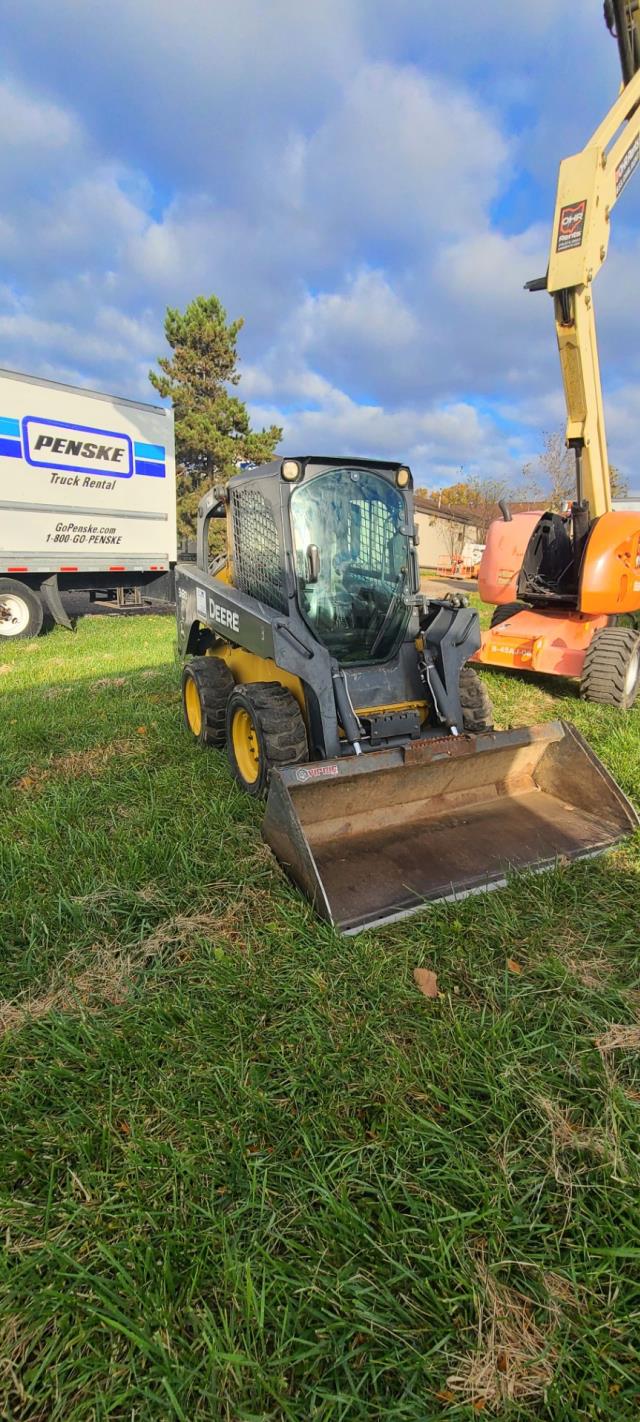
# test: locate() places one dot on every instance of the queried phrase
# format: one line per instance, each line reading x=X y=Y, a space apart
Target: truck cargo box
x=87 y=481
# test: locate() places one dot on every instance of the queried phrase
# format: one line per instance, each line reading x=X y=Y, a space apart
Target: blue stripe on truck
x=151 y=467
x=149 y=451
x=9 y=427
x=150 y=458
x=10 y=448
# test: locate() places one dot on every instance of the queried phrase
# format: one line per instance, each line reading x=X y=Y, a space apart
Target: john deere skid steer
x=344 y=695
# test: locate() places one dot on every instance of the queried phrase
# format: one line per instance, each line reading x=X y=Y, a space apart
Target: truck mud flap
x=51 y=593
x=373 y=838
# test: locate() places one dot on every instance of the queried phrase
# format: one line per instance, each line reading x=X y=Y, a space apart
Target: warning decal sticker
x=316 y=772
x=571 y=225
x=627 y=163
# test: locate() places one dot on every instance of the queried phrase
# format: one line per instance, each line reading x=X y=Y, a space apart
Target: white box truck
x=87 y=499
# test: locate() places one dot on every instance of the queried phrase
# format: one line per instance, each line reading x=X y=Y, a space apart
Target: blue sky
x=368 y=182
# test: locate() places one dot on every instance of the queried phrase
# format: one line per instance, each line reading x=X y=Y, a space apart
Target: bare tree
x=619 y=485
x=453 y=537
x=553 y=475
x=558 y=468
x=488 y=492
x=475 y=498
x=529 y=489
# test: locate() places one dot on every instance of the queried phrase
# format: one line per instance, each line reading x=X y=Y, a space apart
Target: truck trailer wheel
x=21 y=610
x=611 y=671
x=477 y=711
x=265 y=727
x=207 y=684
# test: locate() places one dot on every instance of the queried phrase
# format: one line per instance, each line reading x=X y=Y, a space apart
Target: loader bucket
x=372 y=838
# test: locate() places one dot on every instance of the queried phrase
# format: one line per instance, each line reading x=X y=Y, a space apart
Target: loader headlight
x=403 y=478
x=290 y=470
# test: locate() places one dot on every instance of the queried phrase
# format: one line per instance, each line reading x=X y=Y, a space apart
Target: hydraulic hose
x=348 y=719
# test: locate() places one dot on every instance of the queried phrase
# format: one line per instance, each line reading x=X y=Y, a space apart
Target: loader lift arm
x=589 y=185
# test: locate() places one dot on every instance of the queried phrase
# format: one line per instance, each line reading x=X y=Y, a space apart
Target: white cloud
x=403 y=158
x=36 y=134
x=368 y=312
x=437 y=442
x=339 y=175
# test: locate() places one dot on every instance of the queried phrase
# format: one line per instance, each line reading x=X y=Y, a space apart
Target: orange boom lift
x=567 y=586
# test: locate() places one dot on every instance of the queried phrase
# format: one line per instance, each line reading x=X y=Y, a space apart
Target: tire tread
x=281 y=726
x=477 y=711
x=606 y=665
x=504 y=610
x=215 y=684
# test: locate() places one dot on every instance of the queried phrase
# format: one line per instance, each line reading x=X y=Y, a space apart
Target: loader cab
x=331 y=541
x=352 y=545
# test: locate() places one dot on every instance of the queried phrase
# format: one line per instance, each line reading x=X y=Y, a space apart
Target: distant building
x=444 y=532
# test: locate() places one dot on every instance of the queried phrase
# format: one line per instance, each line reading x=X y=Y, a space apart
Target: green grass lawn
x=248 y=1171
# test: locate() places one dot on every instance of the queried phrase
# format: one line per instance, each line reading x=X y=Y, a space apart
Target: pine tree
x=212 y=426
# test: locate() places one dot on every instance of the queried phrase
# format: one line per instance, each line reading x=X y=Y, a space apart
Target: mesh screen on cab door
x=256 y=551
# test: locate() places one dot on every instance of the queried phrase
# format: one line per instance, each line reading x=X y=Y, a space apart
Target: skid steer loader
x=344 y=694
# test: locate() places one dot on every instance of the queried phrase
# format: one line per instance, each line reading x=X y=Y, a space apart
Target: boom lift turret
x=576 y=576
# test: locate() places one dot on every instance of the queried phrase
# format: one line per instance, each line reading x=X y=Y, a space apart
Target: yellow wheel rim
x=192 y=706
x=245 y=746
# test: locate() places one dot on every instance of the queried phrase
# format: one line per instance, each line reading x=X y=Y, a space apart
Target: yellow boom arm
x=589 y=186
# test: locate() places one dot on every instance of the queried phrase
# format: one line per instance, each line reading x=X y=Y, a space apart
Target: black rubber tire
x=18 y=592
x=506 y=610
x=279 y=727
x=214 y=683
x=611 y=671
x=477 y=711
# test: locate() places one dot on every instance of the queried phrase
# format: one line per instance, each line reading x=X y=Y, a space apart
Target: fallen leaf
x=513 y=966
x=142 y=730
x=426 y=981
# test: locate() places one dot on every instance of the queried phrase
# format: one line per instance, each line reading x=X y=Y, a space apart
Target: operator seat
x=548 y=570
